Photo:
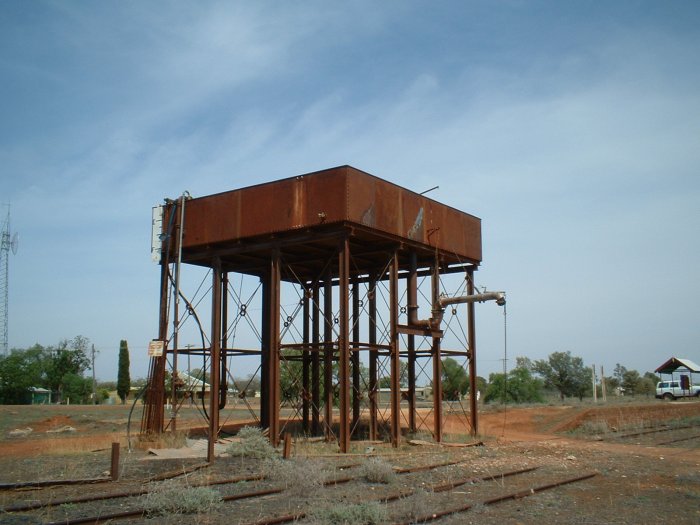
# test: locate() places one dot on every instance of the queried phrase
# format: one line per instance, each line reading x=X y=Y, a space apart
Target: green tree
x=564 y=373
x=630 y=381
x=70 y=357
x=123 y=376
x=76 y=388
x=521 y=387
x=19 y=371
x=646 y=386
x=455 y=381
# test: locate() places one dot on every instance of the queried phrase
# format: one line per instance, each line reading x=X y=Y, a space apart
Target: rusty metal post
x=287 y=445
x=471 y=331
x=372 y=336
x=223 y=370
x=265 y=350
x=154 y=416
x=437 y=360
x=305 y=364
x=394 y=351
x=411 y=344
x=344 y=343
x=328 y=356
x=114 y=469
x=214 y=356
x=316 y=361
x=273 y=340
x=355 y=357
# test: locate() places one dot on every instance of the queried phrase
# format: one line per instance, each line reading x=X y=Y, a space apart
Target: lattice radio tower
x=7 y=243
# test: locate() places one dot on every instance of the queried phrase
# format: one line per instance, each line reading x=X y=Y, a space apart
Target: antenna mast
x=7 y=242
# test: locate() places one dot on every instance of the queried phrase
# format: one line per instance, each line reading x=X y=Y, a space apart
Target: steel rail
x=498 y=499
x=53 y=483
x=118 y=495
x=677 y=440
x=396 y=496
x=653 y=431
x=244 y=495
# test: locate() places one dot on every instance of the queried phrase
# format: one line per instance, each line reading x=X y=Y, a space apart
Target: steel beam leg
x=305 y=364
x=344 y=344
x=355 y=357
x=471 y=331
x=394 y=352
x=153 y=418
x=328 y=357
x=437 y=362
x=372 y=335
x=214 y=360
x=316 y=362
x=223 y=385
x=274 y=346
x=411 y=343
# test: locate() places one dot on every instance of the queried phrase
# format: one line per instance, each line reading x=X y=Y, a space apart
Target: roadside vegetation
x=60 y=373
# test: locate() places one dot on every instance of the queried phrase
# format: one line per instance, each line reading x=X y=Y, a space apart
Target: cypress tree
x=123 y=377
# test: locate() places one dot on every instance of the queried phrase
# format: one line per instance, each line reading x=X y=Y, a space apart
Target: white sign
x=155 y=348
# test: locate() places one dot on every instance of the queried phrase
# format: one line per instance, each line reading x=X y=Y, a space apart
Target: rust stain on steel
x=342 y=195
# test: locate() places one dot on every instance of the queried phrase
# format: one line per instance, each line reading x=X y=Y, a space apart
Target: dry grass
x=251 y=444
x=300 y=477
x=175 y=497
x=377 y=470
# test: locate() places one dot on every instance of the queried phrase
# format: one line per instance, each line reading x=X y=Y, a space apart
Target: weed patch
x=172 y=497
x=251 y=444
x=300 y=477
x=371 y=513
x=377 y=470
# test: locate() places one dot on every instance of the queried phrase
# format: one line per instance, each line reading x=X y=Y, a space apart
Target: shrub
x=301 y=477
x=416 y=506
x=251 y=444
x=371 y=513
x=377 y=470
x=172 y=497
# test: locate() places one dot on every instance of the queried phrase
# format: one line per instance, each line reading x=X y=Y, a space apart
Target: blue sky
x=570 y=128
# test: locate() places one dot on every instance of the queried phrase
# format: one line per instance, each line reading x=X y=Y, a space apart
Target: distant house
x=40 y=396
x=681 y=367
x=192 y=387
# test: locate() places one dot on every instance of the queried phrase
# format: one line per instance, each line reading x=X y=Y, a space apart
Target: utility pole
x=595 y=392
x=94 y=383
x=603 y=391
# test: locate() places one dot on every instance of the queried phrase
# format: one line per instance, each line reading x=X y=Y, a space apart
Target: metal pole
x=355 y=357
x=215 y=354
x=328 y=356
x=411 y=343
x=316 y=361
x=372 y=335
x=305 y=364
x=394 y=352
x=274 y=341
x=114 y=467
x=176 y=313
x=471 y=330
x=344 y=344
x=437 y=360
x=153 y=415
x=223 y=371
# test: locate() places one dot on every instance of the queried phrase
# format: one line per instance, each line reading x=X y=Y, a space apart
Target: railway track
x=445 y=498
